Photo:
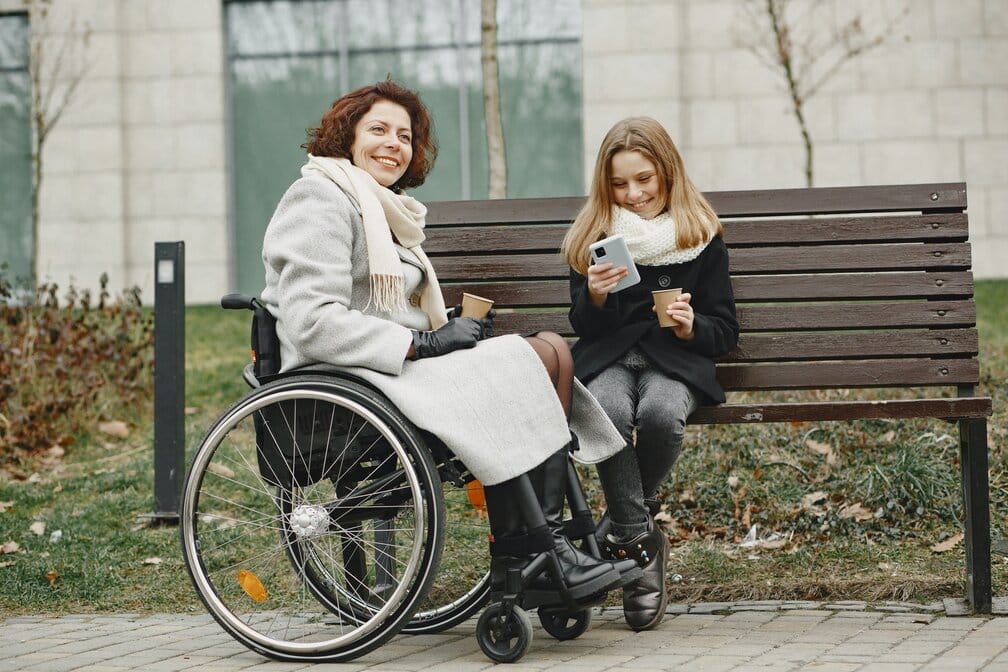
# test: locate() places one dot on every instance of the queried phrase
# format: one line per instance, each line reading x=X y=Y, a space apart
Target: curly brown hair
x=334 y=135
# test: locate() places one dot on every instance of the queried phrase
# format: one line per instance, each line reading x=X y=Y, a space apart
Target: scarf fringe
x=387 y=293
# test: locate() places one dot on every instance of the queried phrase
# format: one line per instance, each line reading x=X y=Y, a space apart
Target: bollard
x=169 y=379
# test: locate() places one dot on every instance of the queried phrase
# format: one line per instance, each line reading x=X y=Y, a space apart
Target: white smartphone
x=614 y=249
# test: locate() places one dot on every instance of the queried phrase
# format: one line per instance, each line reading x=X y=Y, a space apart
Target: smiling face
x=635 y=184
x=383 y=142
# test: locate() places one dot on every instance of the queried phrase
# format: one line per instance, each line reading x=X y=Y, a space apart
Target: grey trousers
x=657 y=406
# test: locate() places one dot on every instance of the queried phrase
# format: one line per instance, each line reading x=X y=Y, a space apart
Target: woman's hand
x=458 y=333
x=601 y=280
x=682 y=312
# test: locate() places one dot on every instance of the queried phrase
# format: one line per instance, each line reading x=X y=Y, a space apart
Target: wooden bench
x=799 y=257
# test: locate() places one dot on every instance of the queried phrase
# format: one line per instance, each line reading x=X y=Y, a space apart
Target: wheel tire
x=565 y=625
x=269 y=553
x=504 y=640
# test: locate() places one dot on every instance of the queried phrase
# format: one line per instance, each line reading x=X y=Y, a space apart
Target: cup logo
x=664 y=281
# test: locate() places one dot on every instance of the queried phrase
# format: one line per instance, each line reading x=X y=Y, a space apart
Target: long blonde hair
x=695 y=220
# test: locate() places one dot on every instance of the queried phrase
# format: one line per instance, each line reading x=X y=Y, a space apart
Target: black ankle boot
x=550 y=482
x=644 y=600
x=581 y=579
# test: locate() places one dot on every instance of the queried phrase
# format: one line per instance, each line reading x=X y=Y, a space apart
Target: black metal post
x=169 y=378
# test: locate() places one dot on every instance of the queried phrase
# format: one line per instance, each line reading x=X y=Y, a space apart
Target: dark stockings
x=556 y=357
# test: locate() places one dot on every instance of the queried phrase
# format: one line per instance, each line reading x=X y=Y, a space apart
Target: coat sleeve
x=308 y=251
x=590 y=321
x=715 y=327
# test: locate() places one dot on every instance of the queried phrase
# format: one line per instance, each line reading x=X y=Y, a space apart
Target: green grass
x=102 y=562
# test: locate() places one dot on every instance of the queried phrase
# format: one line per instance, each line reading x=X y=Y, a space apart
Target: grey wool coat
x=493 y=405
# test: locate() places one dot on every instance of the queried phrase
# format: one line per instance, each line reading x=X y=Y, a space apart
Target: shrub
x=66 y=366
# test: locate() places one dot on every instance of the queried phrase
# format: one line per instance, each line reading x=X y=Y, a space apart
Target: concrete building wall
x=141 y=153
x=929 y=104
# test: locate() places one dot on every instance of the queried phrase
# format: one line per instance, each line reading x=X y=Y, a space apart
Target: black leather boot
x=508 y=523
x=550 y=482
x=644 y=600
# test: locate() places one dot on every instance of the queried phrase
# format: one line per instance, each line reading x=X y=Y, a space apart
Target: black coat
x=627 y=319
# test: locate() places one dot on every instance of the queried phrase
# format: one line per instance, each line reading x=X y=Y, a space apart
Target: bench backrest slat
x=844 y=286
x=835 y=287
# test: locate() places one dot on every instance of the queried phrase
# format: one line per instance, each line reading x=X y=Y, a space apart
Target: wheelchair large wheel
x=461 y=586
x=311 y=520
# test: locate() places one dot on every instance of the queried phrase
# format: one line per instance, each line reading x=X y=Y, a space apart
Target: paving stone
x=846 y=605
x=709 y=607
x=956 y=607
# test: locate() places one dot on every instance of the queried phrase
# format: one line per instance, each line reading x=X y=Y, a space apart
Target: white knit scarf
x=385 y=213
x=652 y=242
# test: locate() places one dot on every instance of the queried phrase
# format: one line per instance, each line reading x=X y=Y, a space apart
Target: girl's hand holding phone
x=601 y=280
x=682 y=312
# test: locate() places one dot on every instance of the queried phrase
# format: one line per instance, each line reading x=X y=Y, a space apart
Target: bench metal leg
x=976 y=506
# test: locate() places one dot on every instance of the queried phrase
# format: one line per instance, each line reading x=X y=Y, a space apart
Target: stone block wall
x=930 y=104
x=140 y=153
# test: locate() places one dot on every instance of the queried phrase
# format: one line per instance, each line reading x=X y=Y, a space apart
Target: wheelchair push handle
x=238 y=302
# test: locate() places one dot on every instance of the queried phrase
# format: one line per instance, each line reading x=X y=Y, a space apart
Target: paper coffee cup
x=475 y=306
x=662 y=298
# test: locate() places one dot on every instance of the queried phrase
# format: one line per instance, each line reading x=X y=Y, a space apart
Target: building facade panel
x=142 y=152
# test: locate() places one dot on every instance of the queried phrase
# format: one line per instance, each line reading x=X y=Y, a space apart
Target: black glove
x=458 y=333
x=487 y=322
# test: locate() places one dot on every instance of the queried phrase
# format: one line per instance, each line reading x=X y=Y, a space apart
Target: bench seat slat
x=959 y=407
x=855 y=373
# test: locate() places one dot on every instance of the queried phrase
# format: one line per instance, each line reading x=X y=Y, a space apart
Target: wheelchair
x=314 y=515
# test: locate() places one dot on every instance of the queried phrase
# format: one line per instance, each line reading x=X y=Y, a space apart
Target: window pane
x=15 y=148
x=282 y=27
x=286 y=69
x=273 y=102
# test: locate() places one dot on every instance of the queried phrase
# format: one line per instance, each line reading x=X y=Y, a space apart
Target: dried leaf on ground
x=733 y=482
x=5 y=505
x=37 y=528
x=823 y=449
x=10 y=547
x=191 y=410
x=115 y=428
x=220 y=470
x=889 y=436
x=7 y=564
x=813 y=498
x=52 y=576
x=948 y=544
x=856 y=511
x=152 y=561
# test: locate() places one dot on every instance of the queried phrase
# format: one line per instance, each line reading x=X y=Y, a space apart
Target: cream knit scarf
x=385 y=213
x=652 y=242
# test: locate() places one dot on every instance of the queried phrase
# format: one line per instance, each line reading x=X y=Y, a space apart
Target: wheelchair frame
x=324 y=556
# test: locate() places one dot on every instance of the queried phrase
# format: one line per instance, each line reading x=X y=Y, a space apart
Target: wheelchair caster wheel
x=504 y=639
x=565 y=625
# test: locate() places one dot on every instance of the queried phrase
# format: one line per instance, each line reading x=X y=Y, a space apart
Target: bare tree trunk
x=784 y=49
x=50 y=98
x=492 y=102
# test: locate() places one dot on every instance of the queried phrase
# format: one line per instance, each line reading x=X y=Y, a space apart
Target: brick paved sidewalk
x=748 y=636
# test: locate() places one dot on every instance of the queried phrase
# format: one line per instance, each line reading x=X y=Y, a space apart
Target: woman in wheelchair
x=351 y=288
